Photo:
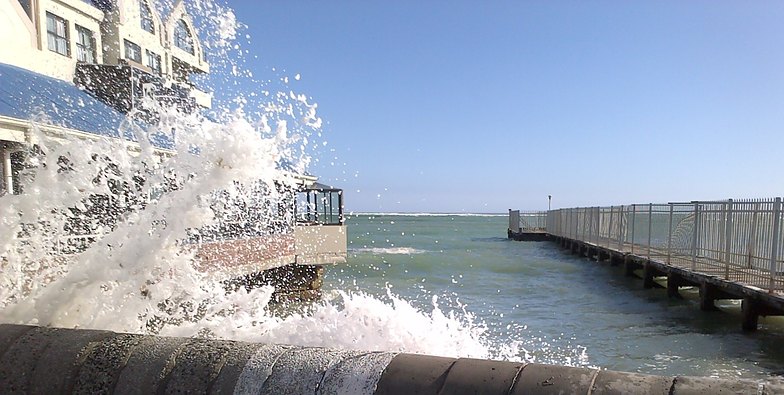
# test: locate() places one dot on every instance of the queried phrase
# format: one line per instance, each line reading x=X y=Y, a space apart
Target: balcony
x=320 y=234
x=320 y=244
x=125 y=87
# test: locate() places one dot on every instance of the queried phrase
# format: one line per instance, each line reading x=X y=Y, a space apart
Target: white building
x=52 y=37
x=109 y=47
x=84 y=64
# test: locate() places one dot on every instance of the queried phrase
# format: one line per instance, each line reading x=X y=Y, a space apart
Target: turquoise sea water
x=554 y=307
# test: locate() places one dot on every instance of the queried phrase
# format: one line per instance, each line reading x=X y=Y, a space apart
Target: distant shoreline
x=397 y=214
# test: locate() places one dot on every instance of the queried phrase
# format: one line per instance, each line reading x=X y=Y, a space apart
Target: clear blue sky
x=474 y=106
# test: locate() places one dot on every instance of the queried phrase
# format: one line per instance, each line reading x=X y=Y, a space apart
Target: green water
x=552 y=306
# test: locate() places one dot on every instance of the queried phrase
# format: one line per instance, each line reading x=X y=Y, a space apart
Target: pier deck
x=729 y=250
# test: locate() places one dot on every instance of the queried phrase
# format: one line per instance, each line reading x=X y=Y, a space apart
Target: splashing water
x=138 y=259
x=139 y=276
x=102 y=235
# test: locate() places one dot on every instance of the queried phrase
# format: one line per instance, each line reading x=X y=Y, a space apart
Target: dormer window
x=57 y=34
x=146 y=17
x=182 y=37
x=133 y=51
x=154 y=62
x=85 y=45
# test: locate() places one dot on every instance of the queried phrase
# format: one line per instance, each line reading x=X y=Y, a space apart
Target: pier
x=728 y=249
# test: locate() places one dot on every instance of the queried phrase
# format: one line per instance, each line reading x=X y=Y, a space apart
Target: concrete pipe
x=52 y=360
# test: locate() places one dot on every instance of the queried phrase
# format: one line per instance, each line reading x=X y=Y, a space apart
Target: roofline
x=300 y=179
x=306 y=177
x=59 y=131
x=63 y=131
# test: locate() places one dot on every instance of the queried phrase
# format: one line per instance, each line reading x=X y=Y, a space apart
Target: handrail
x=736 y=240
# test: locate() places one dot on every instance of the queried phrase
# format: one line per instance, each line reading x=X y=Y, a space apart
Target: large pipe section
x=55 y=361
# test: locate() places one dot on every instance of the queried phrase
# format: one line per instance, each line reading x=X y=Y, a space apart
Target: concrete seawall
x=52 y=360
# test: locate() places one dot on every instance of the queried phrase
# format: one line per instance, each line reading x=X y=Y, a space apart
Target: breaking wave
x=103 y=234
x=430 y=214
x=388 y=251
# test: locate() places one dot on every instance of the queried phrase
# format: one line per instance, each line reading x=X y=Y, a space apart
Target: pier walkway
x=728 y=249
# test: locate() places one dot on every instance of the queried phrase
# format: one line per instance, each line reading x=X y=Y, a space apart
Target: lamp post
x=549 y=202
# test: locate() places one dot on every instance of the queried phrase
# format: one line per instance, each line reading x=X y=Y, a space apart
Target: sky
x=482 y=106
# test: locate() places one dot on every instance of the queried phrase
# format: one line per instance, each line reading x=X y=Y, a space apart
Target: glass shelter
x=320 y=204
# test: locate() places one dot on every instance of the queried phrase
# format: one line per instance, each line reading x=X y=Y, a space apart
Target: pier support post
x=647 y=276
x=707 y=297
x=628 y=266
x=615 y=260
x=750 y=315
x=599 y=254
x=291 y=282
x=674 y=282
x=591 y=253
x=648 y=273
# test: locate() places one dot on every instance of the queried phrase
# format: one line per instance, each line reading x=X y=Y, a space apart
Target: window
x=182 y=37
x=17 y=169
x=133 y=52
x=85 y=45
x=320 y=206
x=146 y=17
x=154 y=62
x=4 y=188
x=57 y=34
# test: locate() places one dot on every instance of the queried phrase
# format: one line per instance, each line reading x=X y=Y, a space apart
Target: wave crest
x=389 y=251
x=429 y=214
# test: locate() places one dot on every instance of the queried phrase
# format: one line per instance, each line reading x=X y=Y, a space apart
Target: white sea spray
x=134 y=267
x=140 y=274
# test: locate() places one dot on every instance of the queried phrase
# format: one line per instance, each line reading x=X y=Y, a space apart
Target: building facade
x=84 y=65
x=56 y=37
x=120 y=51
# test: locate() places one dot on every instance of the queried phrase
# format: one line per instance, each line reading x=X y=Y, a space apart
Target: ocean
x=532 y=301
x=441 y=284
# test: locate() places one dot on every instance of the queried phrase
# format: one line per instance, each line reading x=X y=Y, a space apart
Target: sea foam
x=388 y=251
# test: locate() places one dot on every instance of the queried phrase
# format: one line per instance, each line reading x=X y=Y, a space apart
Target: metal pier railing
x=736 y=240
